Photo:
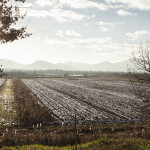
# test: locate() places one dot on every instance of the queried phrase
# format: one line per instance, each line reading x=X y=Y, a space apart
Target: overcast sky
x=88 y=31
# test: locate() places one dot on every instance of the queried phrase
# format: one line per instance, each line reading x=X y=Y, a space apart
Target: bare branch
x=140 y=74
x=10 y=15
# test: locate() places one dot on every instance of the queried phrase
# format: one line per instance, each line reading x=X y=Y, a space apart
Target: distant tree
x=140 y=74
x=85 y=75
x=66 y=75
x=2 y=74
x=9 y=17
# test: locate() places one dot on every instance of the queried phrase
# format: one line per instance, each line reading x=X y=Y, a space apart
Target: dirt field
x=93 y=100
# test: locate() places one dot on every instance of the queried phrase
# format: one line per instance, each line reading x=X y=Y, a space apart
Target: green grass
x=101 y=144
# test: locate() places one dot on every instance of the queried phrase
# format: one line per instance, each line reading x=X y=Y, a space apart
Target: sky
x=89 y=31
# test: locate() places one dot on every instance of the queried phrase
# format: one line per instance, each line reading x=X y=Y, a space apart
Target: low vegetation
x=30 y=111
x=104 y=136
x=101 y=144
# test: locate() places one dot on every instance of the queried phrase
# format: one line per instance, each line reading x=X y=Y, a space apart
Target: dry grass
x=7 y=104
x=62 y=136
x=30 y=111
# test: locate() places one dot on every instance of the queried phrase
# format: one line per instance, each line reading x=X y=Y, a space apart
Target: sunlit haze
x=81 y=31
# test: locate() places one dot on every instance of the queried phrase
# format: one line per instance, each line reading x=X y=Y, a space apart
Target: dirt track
x=7 y=104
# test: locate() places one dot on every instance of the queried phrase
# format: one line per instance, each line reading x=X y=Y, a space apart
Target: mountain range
x=71 y=66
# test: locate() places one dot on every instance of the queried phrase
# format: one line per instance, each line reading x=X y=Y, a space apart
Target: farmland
x=32 y=111
x=87 y=99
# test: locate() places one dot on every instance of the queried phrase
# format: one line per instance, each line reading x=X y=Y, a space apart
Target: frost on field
x=1 y=81
x=93 y=100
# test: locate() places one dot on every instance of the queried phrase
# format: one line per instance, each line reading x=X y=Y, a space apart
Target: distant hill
x=40 y=65
x=9 y=64
x=79 y=66
x=72 y=66
x=107 y=66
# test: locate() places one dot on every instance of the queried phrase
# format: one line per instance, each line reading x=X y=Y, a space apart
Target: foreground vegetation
x=101 y=144
x=129 y=136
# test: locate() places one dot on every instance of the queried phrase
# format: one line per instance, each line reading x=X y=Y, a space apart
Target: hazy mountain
x=63 y=66
x=124 y=65
x=79 y=66
x=44 y=65
x=9 y=64
x=103 y=66
x=40 y=65
x=107 y=66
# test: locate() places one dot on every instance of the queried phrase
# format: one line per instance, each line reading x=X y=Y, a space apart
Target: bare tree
x=140 y=75
x=10 y=16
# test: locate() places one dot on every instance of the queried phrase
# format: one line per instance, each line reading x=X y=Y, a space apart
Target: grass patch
x=63 y=136
x=101 y=144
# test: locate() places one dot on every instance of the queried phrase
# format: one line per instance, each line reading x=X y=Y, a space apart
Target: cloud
x=104 y=25
x=64 y=10
x=59 y=33
x=43 y=3
x=26 y=5
x=124 y=13
x=101 y=23
x=138 y=4
x=101 y=47
x=66 y=15
x=58 y=14
x=69 y=33
x=73 y=33
x=38 y=13
x=79 y=42
x=55 y=42
x=77 y=4
x=84 y=4
x=104 y=29
x=138 y=34
x=93 y=45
